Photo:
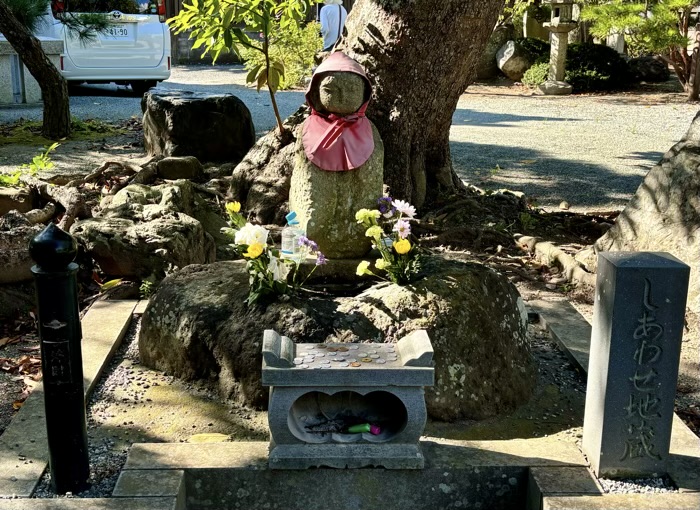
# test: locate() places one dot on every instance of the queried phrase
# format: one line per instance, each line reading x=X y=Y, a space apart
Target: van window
x=102 y=6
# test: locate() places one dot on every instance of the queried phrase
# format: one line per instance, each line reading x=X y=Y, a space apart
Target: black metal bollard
x=53 y=250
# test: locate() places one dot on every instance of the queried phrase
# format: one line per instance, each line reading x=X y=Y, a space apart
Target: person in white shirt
x=333 y=16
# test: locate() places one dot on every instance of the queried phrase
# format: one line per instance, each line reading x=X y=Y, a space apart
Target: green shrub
x=536 y=75
x=593 y=67
x=295 y=47
x=538 y=48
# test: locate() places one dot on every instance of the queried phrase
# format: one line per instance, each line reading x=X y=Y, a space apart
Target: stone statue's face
x=341 y=92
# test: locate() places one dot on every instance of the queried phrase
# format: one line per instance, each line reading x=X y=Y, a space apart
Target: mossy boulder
x=197 y=327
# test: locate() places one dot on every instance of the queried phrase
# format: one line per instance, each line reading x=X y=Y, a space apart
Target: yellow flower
x=363 y=268
x=254 y=251
x=367 y=216
x=233 y=207
x=375 y=232
x=402 y=247
x=382 y=264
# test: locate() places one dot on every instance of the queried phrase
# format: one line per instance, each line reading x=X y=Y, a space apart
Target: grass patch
x=28 y=132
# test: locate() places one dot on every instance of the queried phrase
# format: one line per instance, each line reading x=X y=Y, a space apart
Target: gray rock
x=649 y=69
x=555 y=88
x=513 y=60
x=487 y=67
x=186 y=167
x=18 y=199
x=326 y=202
x=123 y=247
x=197 y=327
x=15 y=262
x=664 y=214
x=211 y=128
x=261 y=181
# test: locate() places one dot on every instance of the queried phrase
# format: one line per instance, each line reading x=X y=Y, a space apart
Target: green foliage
x=146 y=289
x=26 y=132
x=593 y=67
x=41 y=161
x=293 y=46
x=527 y=221
x=536 y=47
x=218 y=26
x=649 y=27
x=28 y=12
x=536 y=75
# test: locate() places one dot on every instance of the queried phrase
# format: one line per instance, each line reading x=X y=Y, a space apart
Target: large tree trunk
x=420 y=56
x=54 y=88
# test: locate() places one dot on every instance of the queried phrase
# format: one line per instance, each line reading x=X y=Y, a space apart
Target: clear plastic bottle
x=290 y=239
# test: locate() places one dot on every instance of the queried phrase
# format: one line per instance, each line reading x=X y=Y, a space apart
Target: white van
x=135 y=49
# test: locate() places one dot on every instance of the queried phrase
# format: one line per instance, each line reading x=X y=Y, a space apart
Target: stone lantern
x=561 y=24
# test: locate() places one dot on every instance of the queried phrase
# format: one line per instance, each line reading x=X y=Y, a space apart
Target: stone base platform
x=392 y=456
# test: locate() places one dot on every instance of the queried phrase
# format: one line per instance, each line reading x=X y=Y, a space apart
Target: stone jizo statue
x=339 y=161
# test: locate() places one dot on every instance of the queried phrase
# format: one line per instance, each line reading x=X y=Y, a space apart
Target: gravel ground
x=589 y=150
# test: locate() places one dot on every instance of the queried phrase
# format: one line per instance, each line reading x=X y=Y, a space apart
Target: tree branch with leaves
x=225 y=26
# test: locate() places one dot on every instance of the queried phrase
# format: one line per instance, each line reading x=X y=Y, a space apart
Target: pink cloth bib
x=335 y=143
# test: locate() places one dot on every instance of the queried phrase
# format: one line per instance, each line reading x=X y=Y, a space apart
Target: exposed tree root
x=69 y=198
x=549 y=254
x=41 y=215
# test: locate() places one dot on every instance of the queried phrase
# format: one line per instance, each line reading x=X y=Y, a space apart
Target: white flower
x=279 y=269
x=251 y=234
x=404 y=208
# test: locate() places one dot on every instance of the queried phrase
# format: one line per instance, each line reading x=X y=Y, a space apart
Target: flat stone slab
x=103 y=328
x=568 y=328
x=624 y=502
x=92 y=504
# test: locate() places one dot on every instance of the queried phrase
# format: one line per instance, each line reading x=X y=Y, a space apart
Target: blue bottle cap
x=291 y=218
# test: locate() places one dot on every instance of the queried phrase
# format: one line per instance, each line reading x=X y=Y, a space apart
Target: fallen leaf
x=17 y=404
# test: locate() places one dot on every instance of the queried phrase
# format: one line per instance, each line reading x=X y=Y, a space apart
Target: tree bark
x=54 y=88
x=420 y=55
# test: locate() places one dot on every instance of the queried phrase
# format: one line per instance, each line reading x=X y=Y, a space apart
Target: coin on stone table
x=324 y=362
x=321 y=346
x=366 y=360
x=326 y=366
x=351 y=360
x=343 y=349
x=361 y=354
x=338 y=360
x=343 y=364
x=332 y=349
x=380 y=361
x=304 y=366
x=309 y=359
x=374 y=356
x=353 y=347
x=332 y=353
x=355 y=364
x=320 y=355
x=298 y=361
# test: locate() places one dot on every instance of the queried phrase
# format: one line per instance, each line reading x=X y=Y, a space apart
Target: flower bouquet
x=400 y=259
x=270 y=275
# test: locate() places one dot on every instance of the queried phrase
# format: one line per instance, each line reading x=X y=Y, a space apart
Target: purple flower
x=403 y=228
x=320 y=259
x=386 y=207
x=311 y=245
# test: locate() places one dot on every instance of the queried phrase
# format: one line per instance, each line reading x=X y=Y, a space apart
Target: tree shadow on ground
x=468 y=117
x=546 y=179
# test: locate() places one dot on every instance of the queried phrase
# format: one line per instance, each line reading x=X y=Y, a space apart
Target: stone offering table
x=318 y=390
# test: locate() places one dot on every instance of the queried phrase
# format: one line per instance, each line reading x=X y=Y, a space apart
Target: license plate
x=118 y=32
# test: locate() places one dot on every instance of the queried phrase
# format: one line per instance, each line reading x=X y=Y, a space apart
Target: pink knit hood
x=332 y=142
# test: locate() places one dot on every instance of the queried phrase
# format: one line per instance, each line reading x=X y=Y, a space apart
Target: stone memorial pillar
x=561 y=24
x=633 y=368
